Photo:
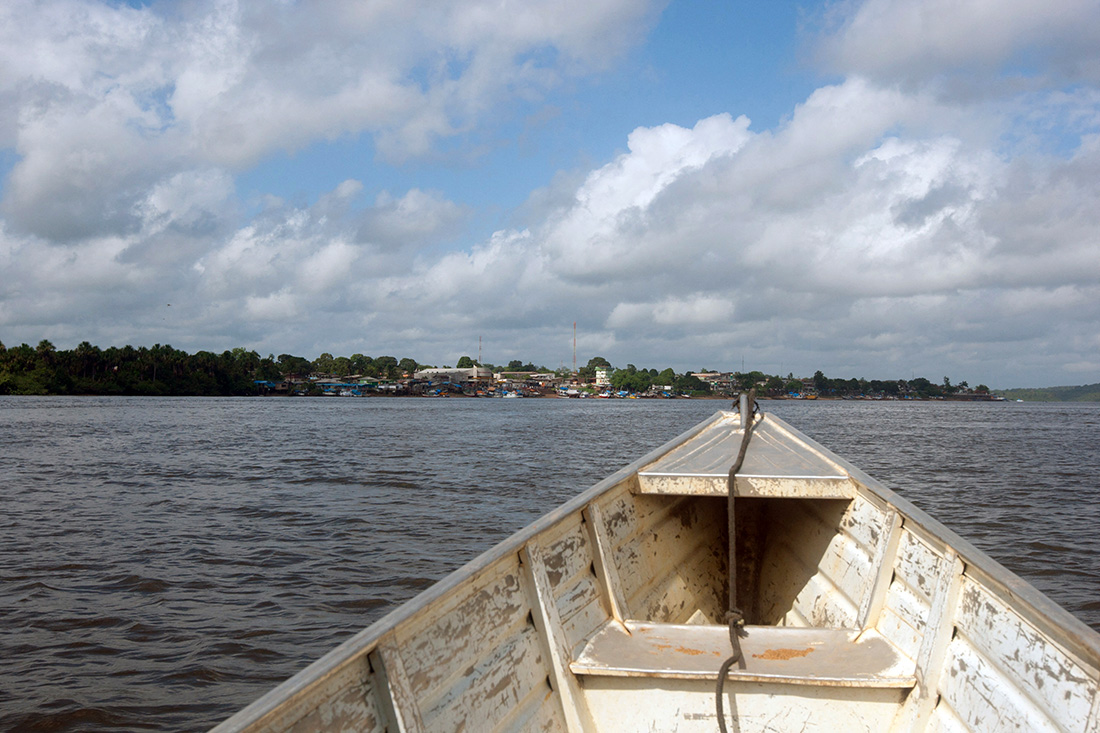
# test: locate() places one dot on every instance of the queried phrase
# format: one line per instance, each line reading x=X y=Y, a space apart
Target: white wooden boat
x=864 y=614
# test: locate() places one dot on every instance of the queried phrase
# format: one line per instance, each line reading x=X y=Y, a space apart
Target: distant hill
x=1084 y=393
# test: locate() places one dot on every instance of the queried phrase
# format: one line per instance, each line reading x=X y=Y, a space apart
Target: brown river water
x=165 y=561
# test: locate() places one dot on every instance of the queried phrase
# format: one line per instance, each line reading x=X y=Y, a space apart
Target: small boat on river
x=853 y=611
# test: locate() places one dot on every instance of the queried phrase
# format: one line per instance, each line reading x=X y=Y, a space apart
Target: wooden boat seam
x=397 y=695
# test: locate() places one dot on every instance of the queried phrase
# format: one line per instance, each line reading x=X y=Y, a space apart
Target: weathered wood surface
x=828 y=657
x=667 y=555
x=344 y=701
x=630 y=704
x=819 y=566
x=1000 y=669
x=776 y=465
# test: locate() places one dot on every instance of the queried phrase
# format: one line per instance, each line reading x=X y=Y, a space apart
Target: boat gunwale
x=1052 y=620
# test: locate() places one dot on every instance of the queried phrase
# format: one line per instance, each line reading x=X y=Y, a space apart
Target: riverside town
x=163 y=370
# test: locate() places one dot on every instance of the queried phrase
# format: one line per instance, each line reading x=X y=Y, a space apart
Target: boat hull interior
x=608 y=614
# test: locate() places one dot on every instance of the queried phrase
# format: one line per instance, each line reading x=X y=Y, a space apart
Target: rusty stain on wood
x=783 y=653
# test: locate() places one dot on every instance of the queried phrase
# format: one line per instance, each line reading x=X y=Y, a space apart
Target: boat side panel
x=944 y=720
x=441 y=642
x=543 y=717
x=918 y=565
x=501 y=682
x=998 y=671
x=917 y=569
x=476 y=655
x=983 y=699
x=344 y=701
x=1040 y=681
x=903 y=618
x=670 y=554
x=570 y=568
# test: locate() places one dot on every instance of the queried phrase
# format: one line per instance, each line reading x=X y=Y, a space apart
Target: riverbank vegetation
x=1083 y=393
x=163 y=370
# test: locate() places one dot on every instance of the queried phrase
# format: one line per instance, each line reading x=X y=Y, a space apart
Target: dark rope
x=735 y=617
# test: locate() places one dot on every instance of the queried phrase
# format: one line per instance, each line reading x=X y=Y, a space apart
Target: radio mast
x=574 y=347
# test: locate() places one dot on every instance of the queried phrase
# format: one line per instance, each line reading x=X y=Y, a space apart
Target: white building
x=458 y=376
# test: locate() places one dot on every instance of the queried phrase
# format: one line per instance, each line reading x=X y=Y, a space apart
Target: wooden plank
x=944 y=720
x=1041 y=669
x=583 y=623
x=820 y=544
x=894 y=629
x=822 y=604
x=570 y=567
x=541 y=715
x=552 y=637
x=794 y=619
x=782 y=576
x=568 y=552
x=983 y=698
x=910 y=606
x=673 y=593
x=492 y=688
x=849 y=569
x=866 y=524
x=439 y=646
x=399 y=702
x=882 y=564
x=582 y=593
x=935 y=643
x=903 y=619
x=344 y=701
x=629 y=704
x=918 y=565
x=651 y=561
x=606 y=570
x=775 y=487
x=1094 y=716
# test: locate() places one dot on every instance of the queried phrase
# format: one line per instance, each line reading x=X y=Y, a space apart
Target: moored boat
x=862 y=613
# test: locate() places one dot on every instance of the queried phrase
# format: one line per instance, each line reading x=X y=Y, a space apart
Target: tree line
x=163 y=370
x=633 y=379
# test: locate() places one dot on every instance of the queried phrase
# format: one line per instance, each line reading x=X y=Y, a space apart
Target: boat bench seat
x=803 y=656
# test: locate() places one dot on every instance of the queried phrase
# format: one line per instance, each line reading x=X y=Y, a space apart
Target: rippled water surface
x=163 y=562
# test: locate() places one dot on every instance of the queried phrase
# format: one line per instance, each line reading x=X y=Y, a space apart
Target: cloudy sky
x=876 y=188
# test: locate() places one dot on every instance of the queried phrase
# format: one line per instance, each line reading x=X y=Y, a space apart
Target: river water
x=165 y=561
